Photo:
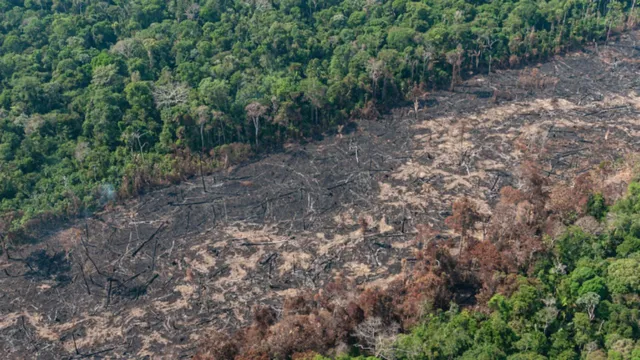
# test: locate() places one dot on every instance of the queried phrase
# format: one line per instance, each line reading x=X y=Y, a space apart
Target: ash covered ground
x=153 y=276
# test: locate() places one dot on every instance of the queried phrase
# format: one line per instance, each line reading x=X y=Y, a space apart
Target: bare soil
x=153 y=276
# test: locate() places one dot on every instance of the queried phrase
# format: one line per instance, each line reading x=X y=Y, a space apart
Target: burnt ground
x=154 y=275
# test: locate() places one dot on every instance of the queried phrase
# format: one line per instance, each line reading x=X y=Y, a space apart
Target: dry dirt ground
x=153 y=276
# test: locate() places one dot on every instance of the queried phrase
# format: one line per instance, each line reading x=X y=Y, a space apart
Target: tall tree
x=256 y=111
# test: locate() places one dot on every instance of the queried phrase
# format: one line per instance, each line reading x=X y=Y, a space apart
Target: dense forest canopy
x=105 y=97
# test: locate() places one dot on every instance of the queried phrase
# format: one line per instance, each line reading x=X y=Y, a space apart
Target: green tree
x=623 y=276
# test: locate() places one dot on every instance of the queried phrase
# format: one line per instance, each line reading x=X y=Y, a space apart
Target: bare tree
x=370 y=4
x=589 y=302
x=488 y=44
x=255 y=111
x=315 y=4
x=6 y=221
x=631 y=21
x=414 y=94
x=105 y=75
x=376 y=70
x=192 y=11
x=548 y=313
x=218 y=117
x=590 y=347
x=30 y=124
x=203 y=121
x=81 y=151
x=475 y=54
x=137 y=135
x=170 y=94
x=377 y=338
x=260 y=5
x=426 y=53
x=463 y=218
x=149 y=44
x=128 y=47
x=454 y=57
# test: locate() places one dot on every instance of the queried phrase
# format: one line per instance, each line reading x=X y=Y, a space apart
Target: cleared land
x=153 y=276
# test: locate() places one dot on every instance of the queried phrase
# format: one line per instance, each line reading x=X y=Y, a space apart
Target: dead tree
x=427 y=54
x=149 y=44
x=414 y=94
x=192 y=11
x=3 y=241
x=171 y=94
x=454 y=57
x=377 y=337
x=5 y=232
x=488 y=45
x=464 y=216
x=476 y=54
x=255 y=111
x=128 y=48
x=376 y=71
x=631 y=21
x=203 y=120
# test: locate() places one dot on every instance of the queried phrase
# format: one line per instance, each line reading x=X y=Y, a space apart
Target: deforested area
x=312 y=180
x=102 y=100
x=493 y=221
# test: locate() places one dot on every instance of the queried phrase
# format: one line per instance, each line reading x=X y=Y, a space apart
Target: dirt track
x=151 y=277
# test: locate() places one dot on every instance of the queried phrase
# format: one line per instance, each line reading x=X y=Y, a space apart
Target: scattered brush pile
x=553 y=273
